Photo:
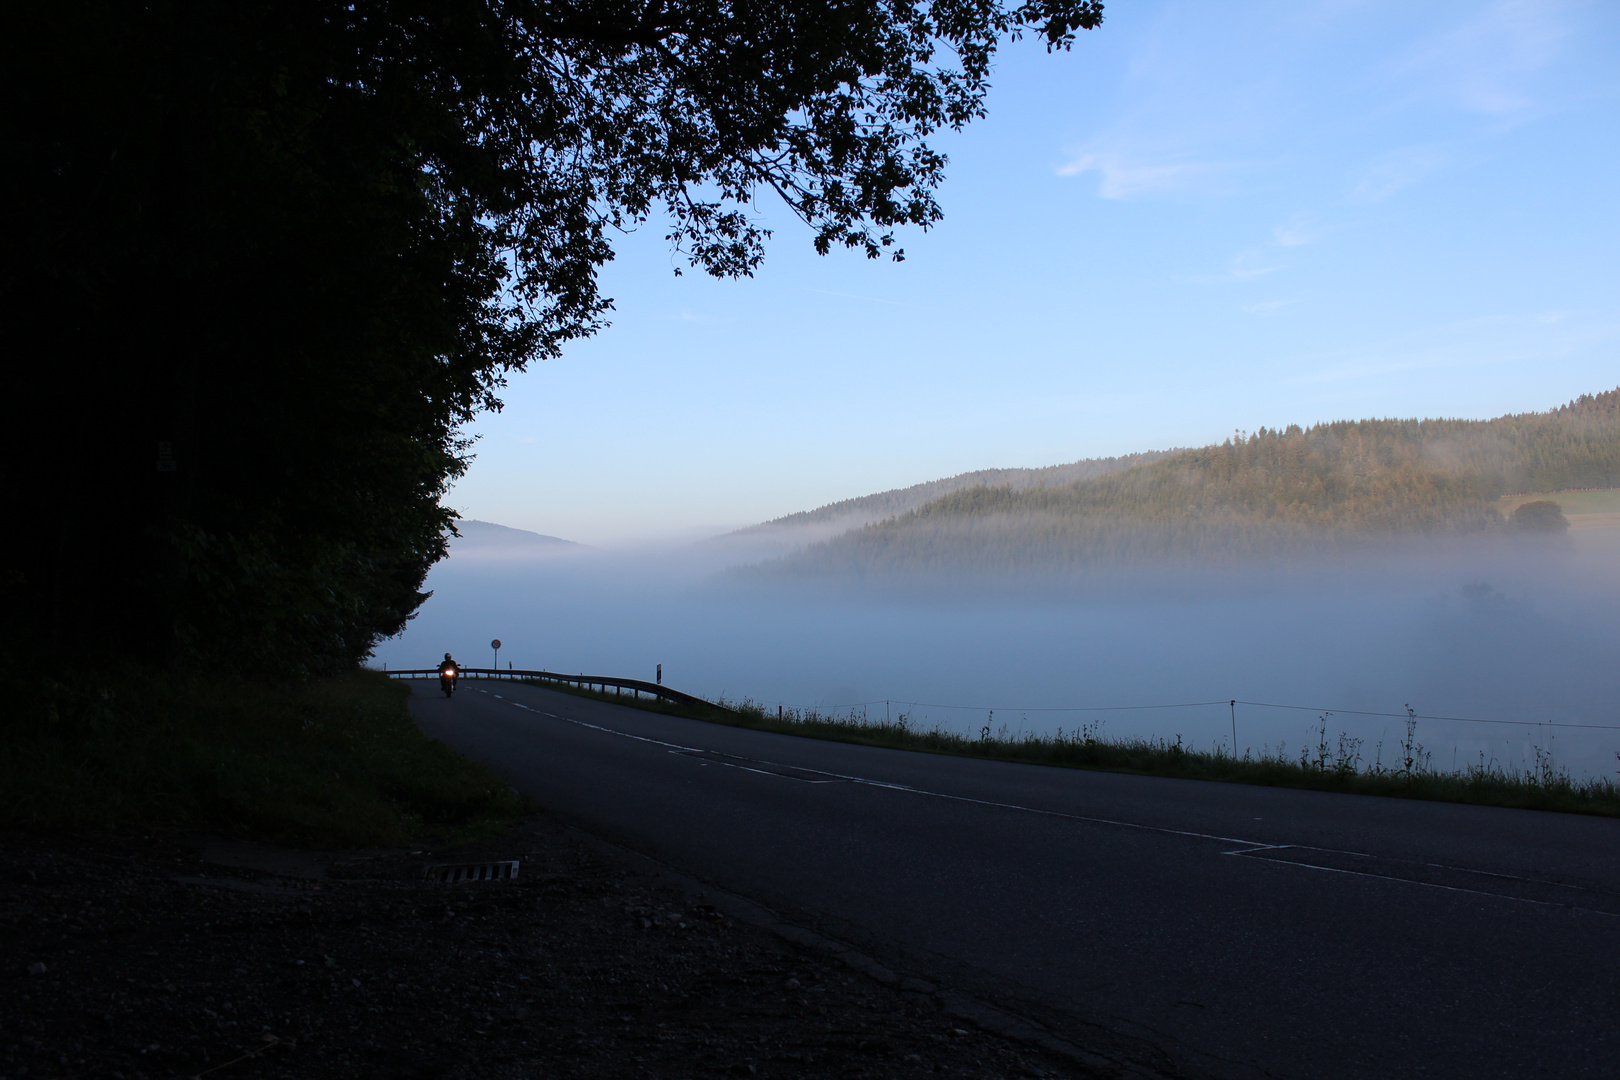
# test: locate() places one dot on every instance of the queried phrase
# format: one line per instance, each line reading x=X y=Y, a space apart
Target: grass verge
x=1336 y=766
x=333 y=763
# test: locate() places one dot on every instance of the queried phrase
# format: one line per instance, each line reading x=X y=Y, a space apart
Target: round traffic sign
x=495 y=644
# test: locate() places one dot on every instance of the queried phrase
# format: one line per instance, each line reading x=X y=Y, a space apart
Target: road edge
x=981 y=1014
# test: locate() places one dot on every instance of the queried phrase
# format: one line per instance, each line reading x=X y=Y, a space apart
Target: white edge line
x=1248 y=847
x=1425 y=884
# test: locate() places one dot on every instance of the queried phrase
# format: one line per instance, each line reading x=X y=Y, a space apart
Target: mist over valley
x=1416 y=581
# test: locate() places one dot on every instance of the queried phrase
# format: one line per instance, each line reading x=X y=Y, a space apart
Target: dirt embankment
x=142 y=957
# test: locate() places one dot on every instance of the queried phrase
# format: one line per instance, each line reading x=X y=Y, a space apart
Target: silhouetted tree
x=263 y=260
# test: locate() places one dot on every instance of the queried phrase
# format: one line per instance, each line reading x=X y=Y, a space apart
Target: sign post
x=496 y=645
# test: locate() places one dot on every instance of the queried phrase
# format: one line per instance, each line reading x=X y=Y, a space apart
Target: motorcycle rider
x=448 y=670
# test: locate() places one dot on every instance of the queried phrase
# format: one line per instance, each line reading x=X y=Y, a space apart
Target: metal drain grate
x=506 y=870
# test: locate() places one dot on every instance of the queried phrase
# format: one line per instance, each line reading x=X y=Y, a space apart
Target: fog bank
x=1495 y=633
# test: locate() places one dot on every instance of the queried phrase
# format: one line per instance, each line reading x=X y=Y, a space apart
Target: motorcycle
x=447 y=679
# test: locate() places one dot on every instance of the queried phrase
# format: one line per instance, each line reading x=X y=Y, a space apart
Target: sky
x=1205 y=218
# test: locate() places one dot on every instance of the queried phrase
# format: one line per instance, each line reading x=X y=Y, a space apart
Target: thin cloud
x=1398 y=169
x=1493 y=340
x=1295 y=233
x=1244 y=266
x=1268 y=306
x=1484 y=65
x=1121 y=175
x=856 y=296
x=700 y=319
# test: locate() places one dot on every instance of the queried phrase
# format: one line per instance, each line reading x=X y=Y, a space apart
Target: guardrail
x=636 y=687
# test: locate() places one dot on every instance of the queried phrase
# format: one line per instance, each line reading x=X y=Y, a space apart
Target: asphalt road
x=1210 y=929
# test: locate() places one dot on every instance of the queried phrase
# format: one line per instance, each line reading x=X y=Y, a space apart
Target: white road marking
x=1244 y=848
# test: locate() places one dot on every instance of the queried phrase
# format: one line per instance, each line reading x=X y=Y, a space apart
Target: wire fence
x=1226 y=702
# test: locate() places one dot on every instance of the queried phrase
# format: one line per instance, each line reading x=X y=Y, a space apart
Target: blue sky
x=1207 y=217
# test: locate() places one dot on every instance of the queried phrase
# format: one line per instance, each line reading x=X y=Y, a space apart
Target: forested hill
x=886 y=504
x=479 y=536
x=1275 y=490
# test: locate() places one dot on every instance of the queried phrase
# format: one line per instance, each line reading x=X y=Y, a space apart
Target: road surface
x=1204 y=929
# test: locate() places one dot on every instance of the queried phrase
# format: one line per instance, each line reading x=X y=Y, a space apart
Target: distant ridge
x=885 y=504
x=1333 y=486
x=486 y=536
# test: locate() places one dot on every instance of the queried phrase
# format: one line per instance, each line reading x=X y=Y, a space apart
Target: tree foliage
x=1539 y=516
x=264 y=260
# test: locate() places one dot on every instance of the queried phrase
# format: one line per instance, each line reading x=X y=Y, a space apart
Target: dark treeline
x=1327 y=487
x=262 y=261
x=248 y=330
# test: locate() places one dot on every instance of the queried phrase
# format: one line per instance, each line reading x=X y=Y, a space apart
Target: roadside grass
x=1336 y=765
x=336 y=763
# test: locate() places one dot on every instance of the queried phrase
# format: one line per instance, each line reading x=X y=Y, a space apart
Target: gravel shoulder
x=143 y=956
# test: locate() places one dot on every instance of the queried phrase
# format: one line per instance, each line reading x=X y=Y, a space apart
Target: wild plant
x=1548 y=774
x=1413 y=755
x=1347 y=760
x=1321 y=762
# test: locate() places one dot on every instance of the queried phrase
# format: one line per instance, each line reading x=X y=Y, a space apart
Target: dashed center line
x=1250 y=849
